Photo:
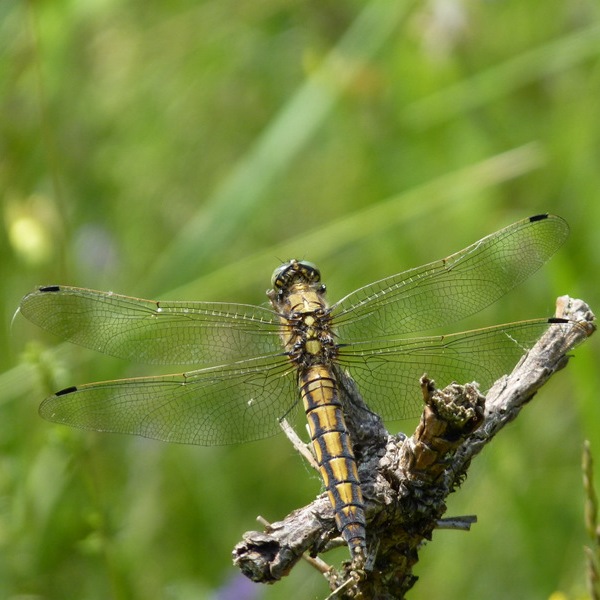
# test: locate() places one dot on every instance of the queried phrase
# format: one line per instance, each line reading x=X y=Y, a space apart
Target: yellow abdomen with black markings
x=333 y=451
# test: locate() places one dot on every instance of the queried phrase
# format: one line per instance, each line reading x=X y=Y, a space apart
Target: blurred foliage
x=182 y=149
x=591 y=522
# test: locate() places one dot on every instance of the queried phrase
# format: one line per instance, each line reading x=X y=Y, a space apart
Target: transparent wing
x=226 y=405
x=453 y=288
x=202 y=333
x=388 y=372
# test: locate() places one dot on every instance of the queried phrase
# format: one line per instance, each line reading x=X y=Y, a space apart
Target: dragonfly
x=254 y=365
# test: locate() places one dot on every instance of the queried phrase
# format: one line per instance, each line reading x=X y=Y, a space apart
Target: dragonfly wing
x=201 y=333
x=388 y=372
x=213 y=406
x=453 y=288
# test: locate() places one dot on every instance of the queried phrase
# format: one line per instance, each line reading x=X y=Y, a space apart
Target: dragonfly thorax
x=308 y=338
x=299 y=299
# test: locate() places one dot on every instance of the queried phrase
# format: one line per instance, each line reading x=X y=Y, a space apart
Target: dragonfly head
x=295 y=271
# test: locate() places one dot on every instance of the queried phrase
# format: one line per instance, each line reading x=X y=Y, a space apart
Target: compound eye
x=278 y=277
x=310 y=270
x=294 y=270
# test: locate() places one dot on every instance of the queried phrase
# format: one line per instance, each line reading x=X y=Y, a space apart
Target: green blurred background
x=183 y=149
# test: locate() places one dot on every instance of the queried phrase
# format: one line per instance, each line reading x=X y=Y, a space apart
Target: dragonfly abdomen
x=331 y=443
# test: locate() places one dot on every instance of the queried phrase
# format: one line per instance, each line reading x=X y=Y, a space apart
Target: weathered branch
x=405 y=481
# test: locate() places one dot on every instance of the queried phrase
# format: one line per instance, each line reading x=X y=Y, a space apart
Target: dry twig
x=405 y=481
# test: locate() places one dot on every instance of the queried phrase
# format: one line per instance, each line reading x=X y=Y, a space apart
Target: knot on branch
x=449 y=416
